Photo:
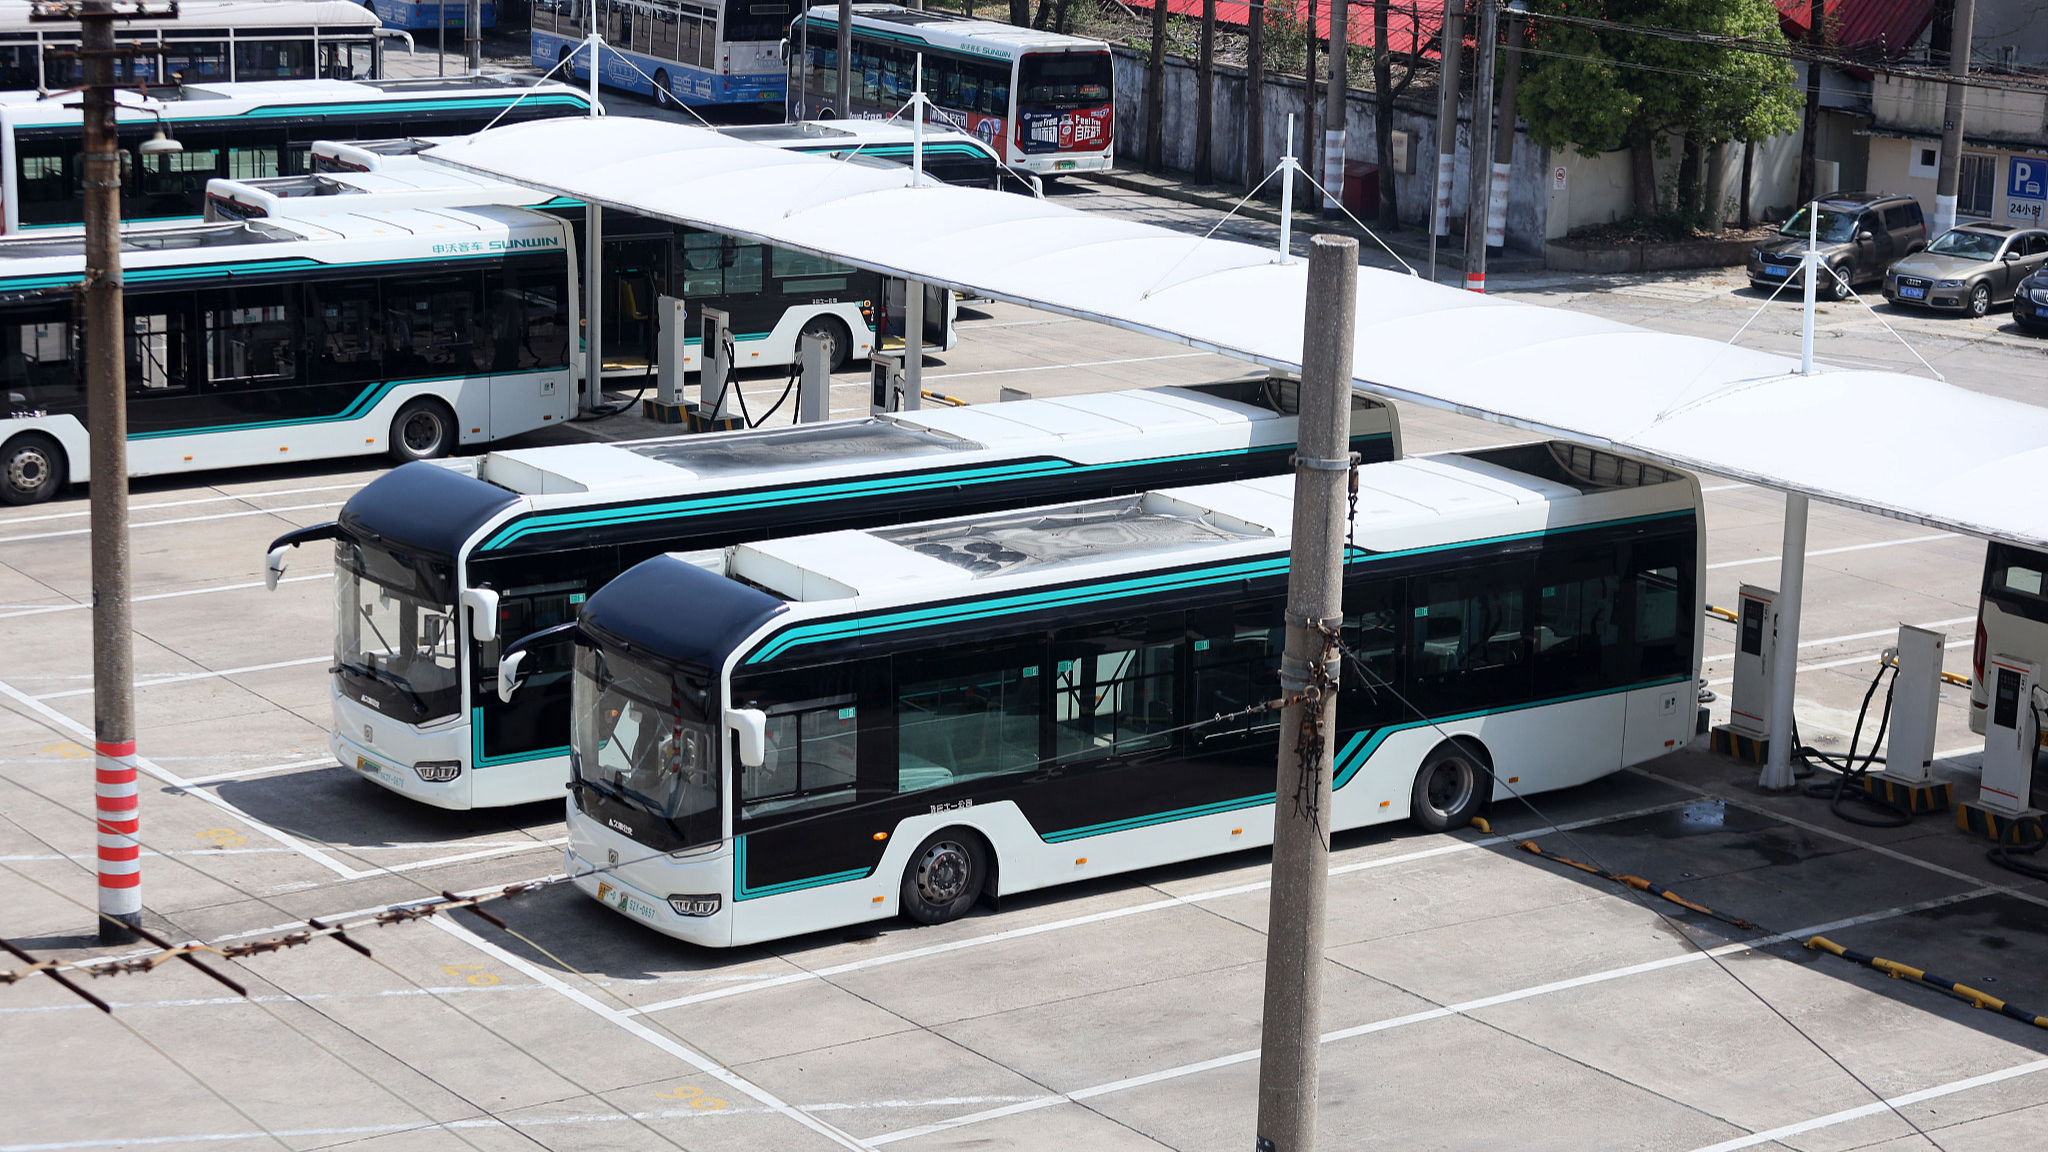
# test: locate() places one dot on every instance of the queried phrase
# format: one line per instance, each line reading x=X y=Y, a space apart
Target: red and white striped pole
x=113 y=650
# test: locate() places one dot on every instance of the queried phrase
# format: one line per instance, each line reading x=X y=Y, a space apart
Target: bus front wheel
x=423 y=430
x=945 y=876
x=1452 y=787
x=662 y=96
x=31 y=469
x=833 y=333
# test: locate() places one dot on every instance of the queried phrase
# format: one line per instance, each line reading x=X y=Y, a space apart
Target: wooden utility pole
x=1155 y=91
x=845 y=59
x=1255 y=97
x=1290 y=1040
x=1205 y=96
x=1477 y=190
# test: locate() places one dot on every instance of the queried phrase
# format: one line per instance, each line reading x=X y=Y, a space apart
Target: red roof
x=1405 y=19
x=1880 y=28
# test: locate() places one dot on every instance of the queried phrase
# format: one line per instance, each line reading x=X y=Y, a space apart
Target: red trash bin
x=1362 y=189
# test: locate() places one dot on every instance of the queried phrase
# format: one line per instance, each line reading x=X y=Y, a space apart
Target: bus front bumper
x=617 y=872
x=391 y=752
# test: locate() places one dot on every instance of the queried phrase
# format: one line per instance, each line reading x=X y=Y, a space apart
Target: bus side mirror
x=273 y=566
x=508 y=675
x=751 y=726
x=785 y=49
x=483 y=613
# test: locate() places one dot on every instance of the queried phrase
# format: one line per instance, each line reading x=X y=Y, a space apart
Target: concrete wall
x=1528 y=201
x=1895 y=165
x=1920 y=106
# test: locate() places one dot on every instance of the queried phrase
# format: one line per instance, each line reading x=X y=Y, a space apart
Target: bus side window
x=432 y=325
x=174 y=183
x=1237 y=664
x=43 y=176
x=978 y=717
x=1578 y=621
x=345 y=339
x=36 y=370
x=159 y=344
x=1659 y=589
x=529 y=315
x=1469 y=638
x=1116 y=687
x=1372 y=636
x=252 y=336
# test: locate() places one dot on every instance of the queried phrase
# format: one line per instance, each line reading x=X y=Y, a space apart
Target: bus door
x=638 y=271
x=938 y=316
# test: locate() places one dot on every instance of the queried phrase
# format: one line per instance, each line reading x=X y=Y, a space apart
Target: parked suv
x=1861 y=234
x=1969 y=268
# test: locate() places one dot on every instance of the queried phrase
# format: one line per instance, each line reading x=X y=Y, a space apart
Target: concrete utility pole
x=106 y=397
x=1155 y=91
x=1479 y=192
x=845 y=59
x=1504 y=135
x=1336 y=107
x=1450 y=49
x=1946 y=179
x=1255 y=97
x=473 y=36
x=1290 y=1042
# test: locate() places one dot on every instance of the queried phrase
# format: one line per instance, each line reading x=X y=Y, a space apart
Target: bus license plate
x=1912 y=293
x=622 y=900
x=1062 y=165
x=368 y=766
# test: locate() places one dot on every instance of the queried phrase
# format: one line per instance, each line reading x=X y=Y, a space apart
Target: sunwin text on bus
x=513 y=549
x=238 y=131
x=692 y=51
x=277 y=341
x=857 y=724
x=1045 y=102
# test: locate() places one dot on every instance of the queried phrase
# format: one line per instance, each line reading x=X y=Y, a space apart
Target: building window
x=1975 y=188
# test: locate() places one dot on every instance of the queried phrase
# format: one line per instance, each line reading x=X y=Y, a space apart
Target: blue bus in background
x=429 y=15
x=676 y=51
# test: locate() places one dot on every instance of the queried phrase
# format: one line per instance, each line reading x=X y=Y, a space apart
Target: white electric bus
x=2012 y=619
x=688 y=51
x=209 y=41
x=406 y=331
x=510 y=547
x=772 y=296
x=238 y=131
x=857 y=724
x=1045 y=102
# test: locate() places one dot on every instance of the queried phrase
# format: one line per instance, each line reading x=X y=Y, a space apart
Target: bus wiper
x=419 y=704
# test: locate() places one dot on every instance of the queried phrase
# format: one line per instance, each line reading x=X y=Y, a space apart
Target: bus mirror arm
x=751 y=726
x=273 y=563
x=508 y=675
x=483 y=613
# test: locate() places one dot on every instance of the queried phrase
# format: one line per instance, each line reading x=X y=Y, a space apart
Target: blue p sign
x=2027 y=179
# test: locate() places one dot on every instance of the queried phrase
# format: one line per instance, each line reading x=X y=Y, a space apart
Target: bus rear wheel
x=1452 y=788
x=945 y=876
x=835 y=334
x=423 y=430
x=31 y=469
x=662 y=96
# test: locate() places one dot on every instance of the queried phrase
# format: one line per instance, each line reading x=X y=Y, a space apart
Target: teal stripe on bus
x=246 y=268
x=1117 y=589
x=366 y=400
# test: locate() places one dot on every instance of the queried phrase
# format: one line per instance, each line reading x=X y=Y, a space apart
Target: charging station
x=885 y=383
x=1747 y=734
x=814 y=378
x=667 y=407
x=1906 y=782
x=2012 y=737
x=716 y=410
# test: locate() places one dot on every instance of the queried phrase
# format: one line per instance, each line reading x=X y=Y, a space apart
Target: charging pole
x=1287 y=167
x=473 y=36
x=814 y=384
x=913 y=291
x=1290 y=1040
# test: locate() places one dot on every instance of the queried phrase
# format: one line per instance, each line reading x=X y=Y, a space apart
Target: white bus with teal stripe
x=407 y=332
x=857 y=724
x=507 y=550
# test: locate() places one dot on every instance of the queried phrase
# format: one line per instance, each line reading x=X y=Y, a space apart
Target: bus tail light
x=1977 y=650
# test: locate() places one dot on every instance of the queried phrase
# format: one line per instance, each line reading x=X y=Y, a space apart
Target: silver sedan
x=1968 y=269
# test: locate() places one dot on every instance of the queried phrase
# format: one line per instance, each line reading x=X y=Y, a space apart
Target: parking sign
x=2026 y=187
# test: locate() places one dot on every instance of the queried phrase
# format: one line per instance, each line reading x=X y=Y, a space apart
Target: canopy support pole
x=1777 y=773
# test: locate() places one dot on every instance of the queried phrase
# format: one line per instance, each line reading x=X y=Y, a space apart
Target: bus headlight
x=695 y=905
x=438 y=771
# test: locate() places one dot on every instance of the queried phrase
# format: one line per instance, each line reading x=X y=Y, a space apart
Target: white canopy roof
x=1896 y=445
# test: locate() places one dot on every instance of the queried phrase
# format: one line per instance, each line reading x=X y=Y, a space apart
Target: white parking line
x=1878 y=1108
x=32 y=610
x=184 y=676
x=1838 y=551
x=133 y=508
x=179 y=520
x=1179 y=1071
x=1859 y=636
x=1115 y=914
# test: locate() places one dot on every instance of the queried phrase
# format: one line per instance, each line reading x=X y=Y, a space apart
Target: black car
x=2030 y=303
x=1861 y=234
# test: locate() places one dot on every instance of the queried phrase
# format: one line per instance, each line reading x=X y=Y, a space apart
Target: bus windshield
x=1064 y=80
x=395 y=640
x=757 y=20
x=641 y=739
